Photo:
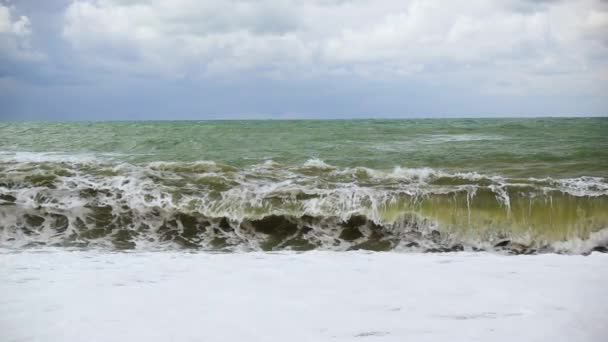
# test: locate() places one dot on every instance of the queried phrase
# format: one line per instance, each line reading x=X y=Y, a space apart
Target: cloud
x=319 y=58
x=174 y=37
x=14 y=36
x=341 y=57
x=364 y=37
x=19 y=26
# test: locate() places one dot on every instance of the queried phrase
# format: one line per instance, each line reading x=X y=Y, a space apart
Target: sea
x=333 y=230
x=436 y=185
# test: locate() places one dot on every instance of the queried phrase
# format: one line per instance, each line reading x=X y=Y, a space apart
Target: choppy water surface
x=525 y=185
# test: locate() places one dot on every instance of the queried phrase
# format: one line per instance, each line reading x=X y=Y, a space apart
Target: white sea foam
x=48 y=295
x=415 y=143
x=584 y=186
x=39 y=157
x=444 y=138
x=152 y=194
x=317 y=163
x=580 y=246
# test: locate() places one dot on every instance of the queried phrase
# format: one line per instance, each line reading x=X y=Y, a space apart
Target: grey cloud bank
x=186 y=59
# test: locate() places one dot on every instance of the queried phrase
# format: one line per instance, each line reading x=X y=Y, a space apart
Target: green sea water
x=423 y=184
x=551 y=147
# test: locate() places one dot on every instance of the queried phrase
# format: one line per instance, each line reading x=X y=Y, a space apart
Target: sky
x=251 y=59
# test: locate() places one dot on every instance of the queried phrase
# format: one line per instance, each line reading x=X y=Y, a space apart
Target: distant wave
x=443 y=138
x=413 y=144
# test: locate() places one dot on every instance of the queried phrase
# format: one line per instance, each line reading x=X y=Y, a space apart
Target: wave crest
x=106 y=203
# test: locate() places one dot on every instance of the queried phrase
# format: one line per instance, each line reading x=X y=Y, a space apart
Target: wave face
x=84 y=201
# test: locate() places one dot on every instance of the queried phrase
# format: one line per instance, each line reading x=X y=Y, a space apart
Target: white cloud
x=522 y=43
x=14 y=35
x=19 y=26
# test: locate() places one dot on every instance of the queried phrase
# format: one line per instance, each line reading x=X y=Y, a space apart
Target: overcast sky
x=227 y=59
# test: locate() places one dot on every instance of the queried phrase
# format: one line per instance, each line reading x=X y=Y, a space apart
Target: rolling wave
x=82 y=202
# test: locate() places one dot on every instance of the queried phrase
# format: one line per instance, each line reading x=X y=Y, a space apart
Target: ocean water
x=513 y=185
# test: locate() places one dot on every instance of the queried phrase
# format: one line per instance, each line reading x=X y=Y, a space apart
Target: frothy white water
x=49 y=295
x=51 y=203
x=426 y=140
x=583 y=186
x=446 y=138
x=317 y=163
x=580 y=246
x=40 y=157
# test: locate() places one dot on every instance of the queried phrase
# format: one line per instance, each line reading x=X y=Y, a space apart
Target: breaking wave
x=90 y=202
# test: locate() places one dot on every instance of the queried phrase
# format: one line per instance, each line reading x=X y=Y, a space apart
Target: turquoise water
x=342 y=184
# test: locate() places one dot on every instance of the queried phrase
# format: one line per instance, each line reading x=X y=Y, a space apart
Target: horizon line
x=318 y=119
